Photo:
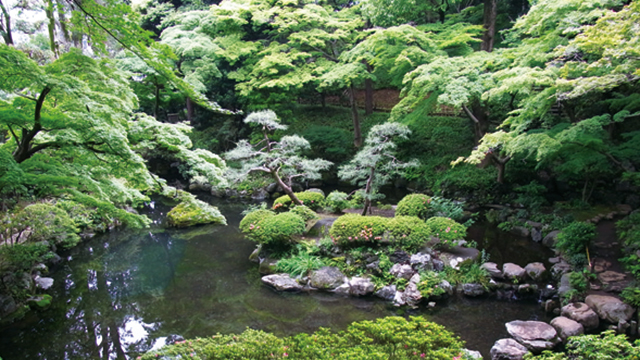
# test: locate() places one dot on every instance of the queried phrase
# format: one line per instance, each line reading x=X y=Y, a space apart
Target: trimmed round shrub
x=278 y=230
x=336 y=201
x=574 y=239
x=306 y=213
x=252 y=219
x=446 y=230
x=410 y=232
x=355 y=229
x=313 y=200
x=414 y=205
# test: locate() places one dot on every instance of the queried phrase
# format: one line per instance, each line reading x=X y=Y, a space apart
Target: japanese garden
x=326 y=179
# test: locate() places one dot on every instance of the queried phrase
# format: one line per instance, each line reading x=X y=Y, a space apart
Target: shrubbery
x=355 y=229
x=336 y=201
x=390 y=338
x=574 y=240
x=446 y=230
x=275 y=230
x=304 y=212
x=252 y=219
x=311 y=199
x=410 y=232
x=605 y=346
x=414 y=205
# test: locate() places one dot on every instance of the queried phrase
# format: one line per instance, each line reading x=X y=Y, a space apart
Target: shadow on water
x=126 y=292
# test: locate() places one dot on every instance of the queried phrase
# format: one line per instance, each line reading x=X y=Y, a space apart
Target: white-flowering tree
x=282 y=160
x=376 y=164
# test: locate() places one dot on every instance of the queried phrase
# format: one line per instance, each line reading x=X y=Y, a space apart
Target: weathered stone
x=438 y=265
x=459 y=254
x=196 y=186
x=473 y=290
x=492 y=269
x=43 y=283
x=550 y=239
x=535 y=335
x=446 y=286
x=567 y=327
x=559 y=269
x=550 y=305
x=327 y=277
x=361 y=286
x=520 y=231
x=412 y=295
x=613 y=281
x=281 y=282
x=344 y=289
x=398 y=299
x=536 y=271
x=565 y=284
x=40 y=302
x=388 y=292
x=527 y=289
x=536 y=234
x=513 y=271
x=7 y=305
x=255 y=255
x=472 y=354
x=399 y=257
x=610 y=308
x=267 y=266
x=507 y=349
x=260 y=194
x=402 y=271
x=421 y=261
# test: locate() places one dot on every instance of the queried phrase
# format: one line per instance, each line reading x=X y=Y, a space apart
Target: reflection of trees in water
x=103 y=294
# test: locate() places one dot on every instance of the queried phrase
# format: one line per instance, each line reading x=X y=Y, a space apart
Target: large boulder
x=457 y=254
x=507 y=349
x=550 y=239
x=613 y=281
x=513 y=271
x=492 y=269
x=610 y=308
x=282 y=282
x=536 y=235
x=421 y=261
x=565 y=284
x=536 y=271
x=402 y=271
x=388 y=292
x=534 y=335
x=411 y=295
x=567 y=327
x=360 y=286
x=327 y=278
x=583 y=314
x=7 y=305
x=473 y=289
x=44 y=283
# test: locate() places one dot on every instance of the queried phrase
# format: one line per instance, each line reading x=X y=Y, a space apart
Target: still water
x=125 y=292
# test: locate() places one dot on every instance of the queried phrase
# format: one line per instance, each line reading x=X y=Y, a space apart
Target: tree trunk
x=500 y=165
x=368 y=92
x=23 y=151
x=357 y=133
x=63 y=21
x=51 y=27
x=479 y=119
x=189 y=109
x=367 y=192
x=286 y=188
x=323 y=100
x=6 y=30
x=156 y=106
x=490 y=15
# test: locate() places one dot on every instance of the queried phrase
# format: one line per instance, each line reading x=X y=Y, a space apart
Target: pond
x=125 y=292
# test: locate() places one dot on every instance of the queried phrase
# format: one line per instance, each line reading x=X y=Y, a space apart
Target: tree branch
x=470 y=114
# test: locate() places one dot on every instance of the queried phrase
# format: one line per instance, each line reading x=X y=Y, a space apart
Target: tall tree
x=5 y=25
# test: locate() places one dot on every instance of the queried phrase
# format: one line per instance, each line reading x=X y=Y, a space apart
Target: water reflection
x=130 y=291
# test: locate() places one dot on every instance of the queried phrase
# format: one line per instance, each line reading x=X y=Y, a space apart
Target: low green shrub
x=628 y=231
x=313 y=200
x=390 y=338
x=414 y=205
x=574 y=240
x=469 y=272
x=253 y=218
x=410 y=232
x=354 y=229
x=278 y=230
x=300 y=264
x=445 y=229
x=40 y=222
x=306 y=213
x=336 y=201
x=631 y=295
x=604 y=346
x=429 y=285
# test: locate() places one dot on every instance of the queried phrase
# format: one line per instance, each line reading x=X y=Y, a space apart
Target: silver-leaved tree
x=376 y=164
x=282 y=160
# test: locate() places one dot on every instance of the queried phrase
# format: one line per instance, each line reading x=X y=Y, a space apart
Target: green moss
x=41 y=302
x=446 y=229
x=194 y=212
x=313 y=200
x=354 y=229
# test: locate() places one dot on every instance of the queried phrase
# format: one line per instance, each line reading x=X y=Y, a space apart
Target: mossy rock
x=40 y=302
x=195 y=212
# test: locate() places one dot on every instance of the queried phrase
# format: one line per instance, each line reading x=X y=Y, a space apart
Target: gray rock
x=230 y=193
x=567 y=327
x=44 y=283
x=536 y=271
x=55 y=259
x=399 y=257
x=583 y=314
x=402 y=271
x=527 y=289
x=344 y=289
x=565 y=284
x=196 y=186
x=361 y=286
x=492 y=269
x=327 y=277
x=550 y=239
x=472 y=354
x=398 y=299
x=388 y=292
x=559 y=269
x=613 y=281
x=260 y=194
x=255 y=255
x=459 y=254
x=446 y=286
x=507 y=349
x=421 y=261
x=473 y=289
x=412 y=295
x=513 y=271
x=438 y=265
x=282 y=282
x=534 y=335
x=7 y=305
x=536 y=234
x=610 y=308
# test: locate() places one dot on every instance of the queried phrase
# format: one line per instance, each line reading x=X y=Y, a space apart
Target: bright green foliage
x=330 y=142
x=414 y=205
x=409 y=232
x=468 y=273
x=300 y=264
x=336 y=201
x=22 y=257
x=429 y=285
x=446 y=230
x=312 y=200
x=278 y=230
x=352 y=229
x=305 y=212
x=628 y=231
x=40 y=222
x=604 y=346
x=575 y=238
x=391 y=338
x=253 y=219
x=194 y=212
